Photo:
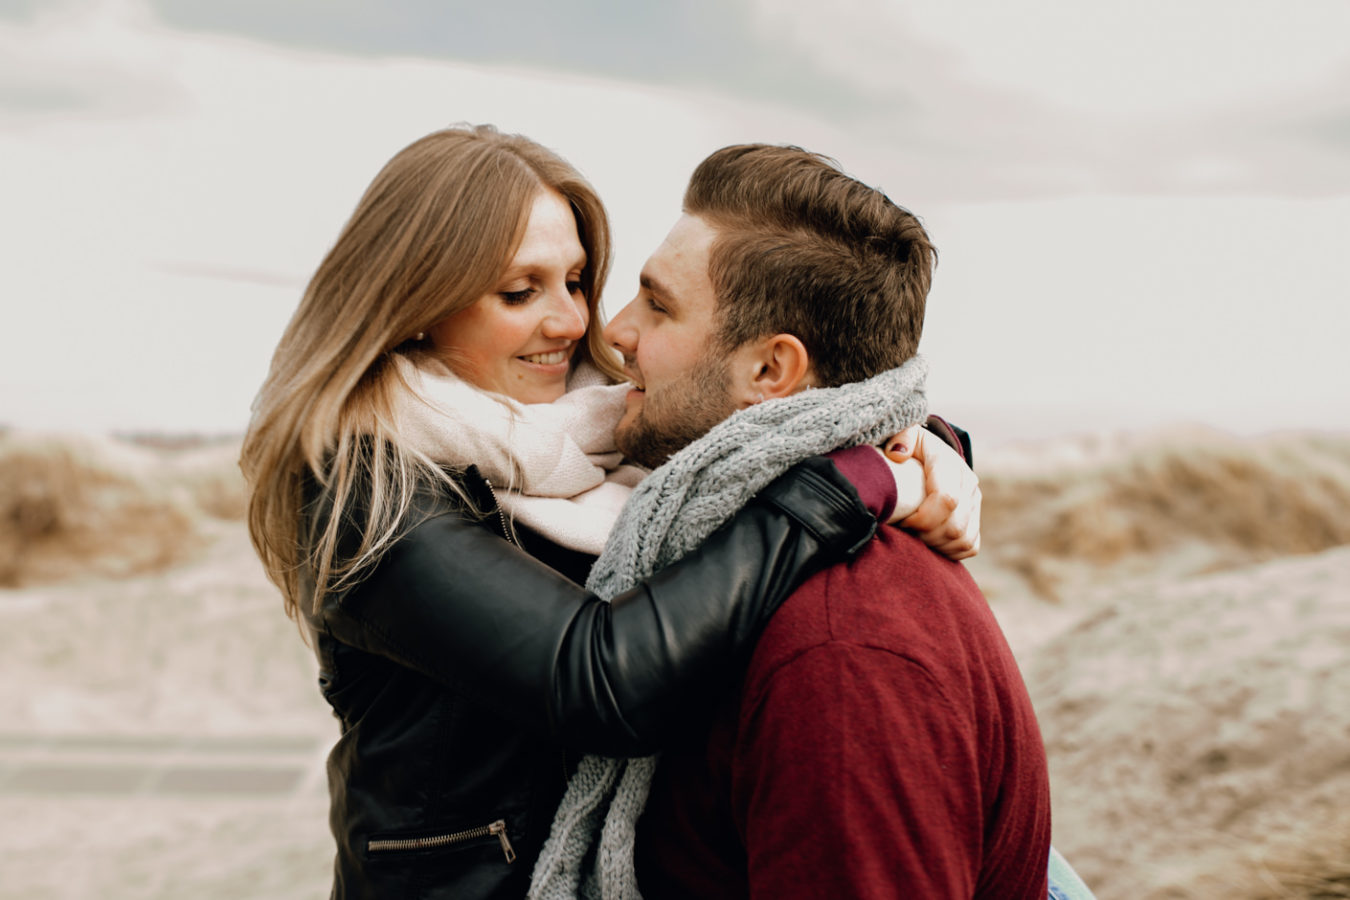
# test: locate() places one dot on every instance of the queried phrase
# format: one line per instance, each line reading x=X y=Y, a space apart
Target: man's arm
x=855 y=777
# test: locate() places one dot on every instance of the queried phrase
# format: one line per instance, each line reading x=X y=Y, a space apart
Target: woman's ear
x=776 y=366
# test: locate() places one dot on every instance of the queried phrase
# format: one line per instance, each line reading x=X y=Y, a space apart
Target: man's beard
x=678 y=414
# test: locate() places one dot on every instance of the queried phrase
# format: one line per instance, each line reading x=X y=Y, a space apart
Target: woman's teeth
x=547 y=359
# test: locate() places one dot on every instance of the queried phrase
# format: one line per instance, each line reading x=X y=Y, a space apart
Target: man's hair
x=804 y=249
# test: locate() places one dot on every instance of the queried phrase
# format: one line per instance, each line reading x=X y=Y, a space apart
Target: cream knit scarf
x=554 y=465
x=670 y=513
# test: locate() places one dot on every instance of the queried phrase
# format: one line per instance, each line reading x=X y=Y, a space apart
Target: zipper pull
x=506 y=529
x=499 y=829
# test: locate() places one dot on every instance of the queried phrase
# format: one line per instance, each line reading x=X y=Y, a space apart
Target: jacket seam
x=822 y=487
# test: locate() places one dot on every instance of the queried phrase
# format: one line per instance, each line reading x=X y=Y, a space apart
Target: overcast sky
x=1142 y=209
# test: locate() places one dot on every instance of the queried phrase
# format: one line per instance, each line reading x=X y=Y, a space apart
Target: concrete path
x=35 y=764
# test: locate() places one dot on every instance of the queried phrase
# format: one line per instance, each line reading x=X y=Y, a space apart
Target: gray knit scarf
x=669 y=514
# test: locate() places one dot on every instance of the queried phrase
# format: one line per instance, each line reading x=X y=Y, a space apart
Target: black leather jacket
x=467 y=672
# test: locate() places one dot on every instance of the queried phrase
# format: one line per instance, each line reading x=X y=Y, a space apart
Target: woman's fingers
x=948 y=519
x=910 y=487
x=956 y=541
x=900 y=447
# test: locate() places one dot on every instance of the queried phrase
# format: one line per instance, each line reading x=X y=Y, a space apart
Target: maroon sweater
x=882 y=745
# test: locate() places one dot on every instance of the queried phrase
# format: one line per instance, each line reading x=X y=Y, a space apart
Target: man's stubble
x=679 y=413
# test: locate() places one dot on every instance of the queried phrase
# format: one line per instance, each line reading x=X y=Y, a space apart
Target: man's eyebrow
x=656 y=287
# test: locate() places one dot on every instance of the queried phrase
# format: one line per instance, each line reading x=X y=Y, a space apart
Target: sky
x=1142 y=210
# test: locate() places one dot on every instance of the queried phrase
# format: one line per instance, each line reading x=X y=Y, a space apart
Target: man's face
x=666 y=336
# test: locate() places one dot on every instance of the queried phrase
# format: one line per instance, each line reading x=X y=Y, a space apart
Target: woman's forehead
x=551 y=238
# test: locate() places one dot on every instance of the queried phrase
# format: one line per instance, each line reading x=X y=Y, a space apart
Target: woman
x=460 y=655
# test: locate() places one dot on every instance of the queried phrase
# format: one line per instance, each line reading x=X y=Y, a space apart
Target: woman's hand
x=938 y=494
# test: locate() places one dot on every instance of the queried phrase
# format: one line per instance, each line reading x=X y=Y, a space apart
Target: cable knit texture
x=670 y=513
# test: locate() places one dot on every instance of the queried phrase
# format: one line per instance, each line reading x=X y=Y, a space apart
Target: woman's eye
x=515 y=298
x=654 y=306
x=574 y=287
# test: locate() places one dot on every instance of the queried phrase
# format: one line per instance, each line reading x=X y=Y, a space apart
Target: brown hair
x=432 y=234
x=807 y=250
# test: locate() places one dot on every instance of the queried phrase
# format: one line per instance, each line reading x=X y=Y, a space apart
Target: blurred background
x=1140 y=310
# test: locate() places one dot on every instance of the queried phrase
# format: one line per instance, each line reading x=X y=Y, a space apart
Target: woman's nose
x=567 y=316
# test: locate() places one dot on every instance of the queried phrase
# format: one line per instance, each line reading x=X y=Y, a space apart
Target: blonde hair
x=434 y=232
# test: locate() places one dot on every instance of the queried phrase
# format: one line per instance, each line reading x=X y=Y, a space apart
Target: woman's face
x=519 y=340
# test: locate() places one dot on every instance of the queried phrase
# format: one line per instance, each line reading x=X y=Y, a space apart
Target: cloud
x=961 y=100
x=20 y=9
x=87 y=60
x=693 y=43
x=1056 y=97
x=1144 y=58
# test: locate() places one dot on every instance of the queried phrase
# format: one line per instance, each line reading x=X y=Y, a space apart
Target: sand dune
x=1198 y=730
x=1180 y=604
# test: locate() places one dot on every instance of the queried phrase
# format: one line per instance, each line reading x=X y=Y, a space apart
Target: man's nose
x=620 y=332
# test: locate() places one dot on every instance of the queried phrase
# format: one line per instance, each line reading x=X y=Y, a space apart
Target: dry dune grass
x=208 y=476
x=1314 y=867
x=1193 y=503
x=1319 y=870
x=73 y=506
x=1304 y=876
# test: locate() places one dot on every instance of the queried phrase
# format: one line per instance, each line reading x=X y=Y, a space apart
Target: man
x=882 y=743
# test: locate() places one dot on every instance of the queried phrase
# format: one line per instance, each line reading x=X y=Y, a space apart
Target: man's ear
x=776 y=366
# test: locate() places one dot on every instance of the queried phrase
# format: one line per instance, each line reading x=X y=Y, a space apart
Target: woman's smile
x=552 y=358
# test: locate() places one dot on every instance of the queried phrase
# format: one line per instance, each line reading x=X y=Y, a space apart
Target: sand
x=164 y=737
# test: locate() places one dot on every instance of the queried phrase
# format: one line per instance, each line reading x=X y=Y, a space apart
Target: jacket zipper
x=501 y=516
x=498 y=828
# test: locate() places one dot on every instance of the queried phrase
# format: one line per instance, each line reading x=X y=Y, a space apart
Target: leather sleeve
x=463 y=606
x=957 y=438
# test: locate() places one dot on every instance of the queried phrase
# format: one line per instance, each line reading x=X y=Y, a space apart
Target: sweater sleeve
x=852 y=777
x=870 y=475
